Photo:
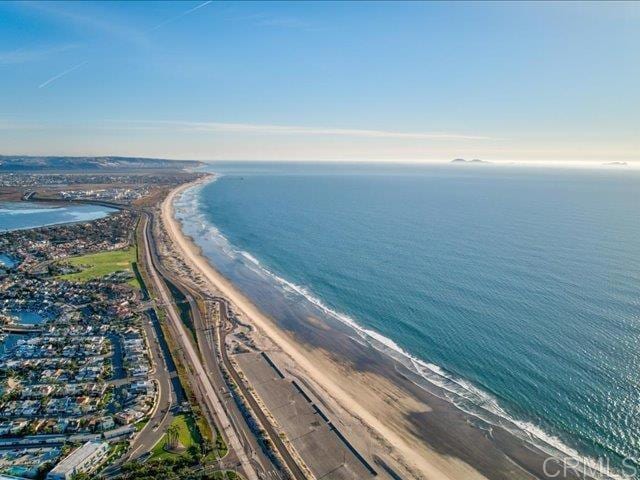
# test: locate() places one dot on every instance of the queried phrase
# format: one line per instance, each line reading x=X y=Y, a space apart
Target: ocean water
x=22 y=215
x=516 y=290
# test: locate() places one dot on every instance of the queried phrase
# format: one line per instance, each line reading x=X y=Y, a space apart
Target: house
x=107 y=423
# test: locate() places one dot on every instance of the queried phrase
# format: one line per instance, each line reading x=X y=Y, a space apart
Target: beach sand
x=416 y=433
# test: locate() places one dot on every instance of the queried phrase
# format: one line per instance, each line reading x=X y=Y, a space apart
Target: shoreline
x=244 y=306
x=427 y=436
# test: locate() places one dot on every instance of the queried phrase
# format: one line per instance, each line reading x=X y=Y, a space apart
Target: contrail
x=60 y=75
x=186 y=12
x=161 y=24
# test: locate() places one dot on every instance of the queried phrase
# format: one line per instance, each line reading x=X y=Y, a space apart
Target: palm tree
x=173 y=435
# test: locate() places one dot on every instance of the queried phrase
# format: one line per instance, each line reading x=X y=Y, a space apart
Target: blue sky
x=321 y=81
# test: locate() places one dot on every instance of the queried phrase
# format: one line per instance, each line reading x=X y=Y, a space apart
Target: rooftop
x=77 y=456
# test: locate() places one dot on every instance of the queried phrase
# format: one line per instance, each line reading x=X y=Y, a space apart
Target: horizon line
x=483 y=163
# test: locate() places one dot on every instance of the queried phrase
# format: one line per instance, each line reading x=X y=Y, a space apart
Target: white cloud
x=252 y=128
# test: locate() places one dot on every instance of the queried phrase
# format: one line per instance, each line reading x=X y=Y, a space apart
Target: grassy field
x=97 y=265
x=189 y=435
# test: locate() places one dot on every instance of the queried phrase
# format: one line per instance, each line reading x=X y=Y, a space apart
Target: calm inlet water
x=22 y=215
x=28 y=318
x=517 y=290
x=7 y=261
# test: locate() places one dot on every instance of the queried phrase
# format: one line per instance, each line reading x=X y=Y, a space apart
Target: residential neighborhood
x=74 y=358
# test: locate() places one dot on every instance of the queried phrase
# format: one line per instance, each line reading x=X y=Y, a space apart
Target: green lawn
x=227 y=475
x=97 y=265
x=189 y=435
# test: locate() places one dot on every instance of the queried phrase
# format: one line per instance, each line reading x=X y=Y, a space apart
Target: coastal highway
x=202 y=385
x=293 y=466
x=211 y=338
x=205 y=333
x=206 y=346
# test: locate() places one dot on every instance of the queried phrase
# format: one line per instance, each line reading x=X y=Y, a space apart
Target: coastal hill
x=462 y=160
x=28 y=163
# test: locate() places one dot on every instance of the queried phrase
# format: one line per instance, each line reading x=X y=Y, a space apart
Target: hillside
x=27 y=163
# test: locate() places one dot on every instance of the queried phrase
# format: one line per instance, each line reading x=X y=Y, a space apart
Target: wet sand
x=411 y=432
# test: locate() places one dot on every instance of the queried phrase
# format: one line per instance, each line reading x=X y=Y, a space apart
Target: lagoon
x=23 y=215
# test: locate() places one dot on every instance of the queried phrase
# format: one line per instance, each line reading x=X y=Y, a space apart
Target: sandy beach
x=420 y=435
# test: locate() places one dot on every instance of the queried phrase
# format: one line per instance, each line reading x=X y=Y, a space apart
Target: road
x=169 y=390
x=206 y=333
x=169 y=395
x=200 y=381
x=292 y=464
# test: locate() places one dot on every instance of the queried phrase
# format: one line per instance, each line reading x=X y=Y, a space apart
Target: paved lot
x=309 y=430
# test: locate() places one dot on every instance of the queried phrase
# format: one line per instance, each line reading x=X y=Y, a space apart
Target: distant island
x=462 y=160
x=34 y=163
x=616 y=163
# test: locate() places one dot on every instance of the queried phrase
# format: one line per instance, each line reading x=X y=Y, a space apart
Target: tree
x=206 y=446
x=173 y=437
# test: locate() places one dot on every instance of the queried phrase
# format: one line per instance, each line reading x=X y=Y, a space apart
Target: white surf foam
x=249 y=257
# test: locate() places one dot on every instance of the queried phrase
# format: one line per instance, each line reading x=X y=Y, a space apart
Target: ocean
x=515 y=290
x=22 y=215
